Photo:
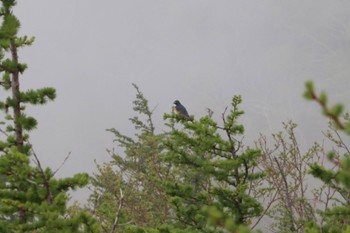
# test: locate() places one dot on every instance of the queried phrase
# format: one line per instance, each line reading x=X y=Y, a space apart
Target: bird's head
x=176 y=102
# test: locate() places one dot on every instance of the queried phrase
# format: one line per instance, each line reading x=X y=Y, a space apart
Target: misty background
x=201 y=52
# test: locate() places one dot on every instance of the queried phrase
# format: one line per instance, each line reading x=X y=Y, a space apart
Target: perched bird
x=181 y=110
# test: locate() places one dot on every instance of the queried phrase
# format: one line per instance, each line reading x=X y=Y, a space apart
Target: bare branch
x=121 y=203
x=210 y=112
x=154 y=108
x=340 y=139
x=4 y=133
x=265 y=211
x=64 y=161
x=287 y=195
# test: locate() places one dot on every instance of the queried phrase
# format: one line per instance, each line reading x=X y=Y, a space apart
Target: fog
x=201 y=52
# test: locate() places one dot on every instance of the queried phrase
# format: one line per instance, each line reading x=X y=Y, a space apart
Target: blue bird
x=181 y=110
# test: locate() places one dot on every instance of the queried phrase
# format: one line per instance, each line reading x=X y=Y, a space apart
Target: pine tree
x=127 y=192
x=31 y=199
x=216 y=173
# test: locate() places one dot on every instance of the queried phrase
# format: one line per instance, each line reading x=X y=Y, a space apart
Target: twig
x=333 y=117
x=341 y=141
x=64 y=161
x=95 y=203
x=3 y=132
x=46 y=180
x=210 y=112
x=265 y=211
x=288 y=202
x=121 y=203
x=154 y=109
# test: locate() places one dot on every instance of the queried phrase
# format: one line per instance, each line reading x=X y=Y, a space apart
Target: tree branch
x=64 y=161
x=265 y=211
x=121 y=204
x=287 y=196
x=46 y=179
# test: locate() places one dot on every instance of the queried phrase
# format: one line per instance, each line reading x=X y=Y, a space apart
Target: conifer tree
x=127 y=192
x=216 y=173
x=337 y=219
x=31 y=199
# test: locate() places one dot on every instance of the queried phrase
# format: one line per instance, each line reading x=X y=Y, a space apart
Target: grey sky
x=201 y=52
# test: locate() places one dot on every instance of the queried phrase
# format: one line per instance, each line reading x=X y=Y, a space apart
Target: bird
x=181 y=110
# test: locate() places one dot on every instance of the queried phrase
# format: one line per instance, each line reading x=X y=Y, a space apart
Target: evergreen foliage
x=185 y=180
x=31 y=199
x=127 y=192
x=196 y=178
x=337 y=219
x=216 y=173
